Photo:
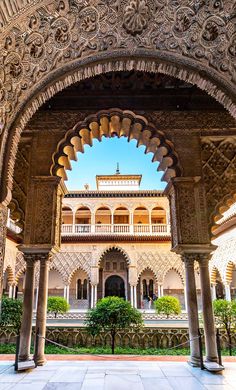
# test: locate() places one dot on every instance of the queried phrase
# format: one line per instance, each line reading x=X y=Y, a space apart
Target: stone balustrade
x=132 y=229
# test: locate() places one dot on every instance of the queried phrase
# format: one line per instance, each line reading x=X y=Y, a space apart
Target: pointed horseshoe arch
x=110 y=123
x=113 y=248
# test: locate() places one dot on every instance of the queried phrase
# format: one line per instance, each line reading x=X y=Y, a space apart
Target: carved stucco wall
x=160 y=262
x=48 y=47
x=88 y=258
x=219 y=171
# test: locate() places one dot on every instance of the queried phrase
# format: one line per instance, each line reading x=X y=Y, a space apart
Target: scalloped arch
x=113 y=248
x=229 y=271
x=214 y=273
x=147 y=268
x=177 y=271
x=74 y=271
x=110 y=123
x=10 y=274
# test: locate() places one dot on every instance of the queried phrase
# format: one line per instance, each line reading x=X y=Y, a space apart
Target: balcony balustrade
x=137 y=229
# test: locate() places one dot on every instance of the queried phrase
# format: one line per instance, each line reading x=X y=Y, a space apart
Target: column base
x=23 y=358
x=194 y=362
x=40 y=360
x=211 y=359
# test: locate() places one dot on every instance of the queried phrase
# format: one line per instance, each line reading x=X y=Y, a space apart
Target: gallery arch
x=113 y=275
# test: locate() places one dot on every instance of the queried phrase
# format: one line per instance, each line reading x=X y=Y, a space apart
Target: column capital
x=194 y=249
x=188 y=258
x=203 y=259
x=37 y=252
x=175 y=181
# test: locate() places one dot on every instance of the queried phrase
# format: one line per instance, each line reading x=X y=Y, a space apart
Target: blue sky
x=102 y=157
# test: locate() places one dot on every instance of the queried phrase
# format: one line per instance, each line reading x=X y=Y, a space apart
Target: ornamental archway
x=115 y=122
x=47 y=49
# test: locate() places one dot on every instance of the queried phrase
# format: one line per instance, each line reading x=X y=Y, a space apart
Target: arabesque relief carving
x=194 y=35
x=219 y=167
x=60 y=31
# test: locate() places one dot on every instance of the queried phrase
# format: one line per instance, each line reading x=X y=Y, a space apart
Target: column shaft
x=10 y=291
x=192 y=309
x=213 y=292
x=14 y=292
x=68 y=294
x=95 y=295
x=65 y=292
x=131 y=296
x=41 y=315
x=135 y=297
x=92 y=296
x=207 y=310
x=26 y=325
x=227 y=292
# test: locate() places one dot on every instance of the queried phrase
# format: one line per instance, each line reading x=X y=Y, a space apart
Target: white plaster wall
x=55 y=281
x=172 y=281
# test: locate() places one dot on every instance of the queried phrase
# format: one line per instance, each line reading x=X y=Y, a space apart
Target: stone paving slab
x=116 y=375
x=142 y=358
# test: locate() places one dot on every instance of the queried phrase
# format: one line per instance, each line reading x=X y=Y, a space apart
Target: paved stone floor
x=116 y=375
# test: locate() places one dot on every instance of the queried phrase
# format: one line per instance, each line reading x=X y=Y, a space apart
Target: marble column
x=92 y=296
x=132 y=296
x=10 y=292
x=65 y=292
x=135 y=296
x=192 y=309
x=14 y=292
x=207 y=309
x=95 y=294
x=41 y=315
x=26 y=325
x=161 y=290
x=227 y=291
x=213 y=291
x=68 y=294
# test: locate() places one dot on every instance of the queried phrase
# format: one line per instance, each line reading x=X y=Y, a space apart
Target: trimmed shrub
x=11 y=315
x=113 y=314
x=167 y=305
x=57 y=305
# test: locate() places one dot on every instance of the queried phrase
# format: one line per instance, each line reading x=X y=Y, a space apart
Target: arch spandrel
x=197 y=45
